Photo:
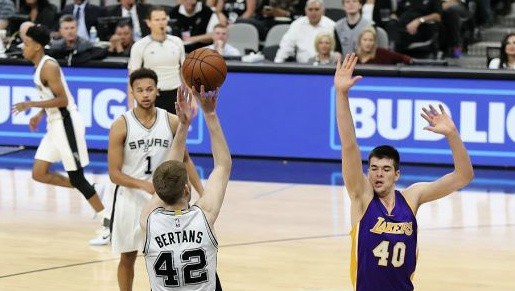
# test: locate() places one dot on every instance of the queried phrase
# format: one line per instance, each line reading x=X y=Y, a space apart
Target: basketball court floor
x=284 y=225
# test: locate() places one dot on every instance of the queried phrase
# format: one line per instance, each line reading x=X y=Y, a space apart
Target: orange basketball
x=206 y=67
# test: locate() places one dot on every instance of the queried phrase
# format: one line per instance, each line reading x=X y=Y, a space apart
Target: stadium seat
x=275 y=34
x=382 y=38
x=335 y=13
x=244 y=37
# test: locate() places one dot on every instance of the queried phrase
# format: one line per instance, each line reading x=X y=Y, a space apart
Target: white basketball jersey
x=146 y=148
x=53 y=113
x=180 y=251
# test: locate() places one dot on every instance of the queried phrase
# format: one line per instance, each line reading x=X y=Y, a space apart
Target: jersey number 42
x=193 y=270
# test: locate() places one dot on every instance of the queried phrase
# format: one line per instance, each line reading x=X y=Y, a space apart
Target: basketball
x=206 y=67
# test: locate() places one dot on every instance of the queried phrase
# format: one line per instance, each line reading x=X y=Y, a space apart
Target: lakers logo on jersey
x=383 y=226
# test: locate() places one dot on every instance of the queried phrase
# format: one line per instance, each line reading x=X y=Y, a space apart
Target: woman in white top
x=507 y=58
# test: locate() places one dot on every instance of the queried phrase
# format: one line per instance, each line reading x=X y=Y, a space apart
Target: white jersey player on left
x=65 y=137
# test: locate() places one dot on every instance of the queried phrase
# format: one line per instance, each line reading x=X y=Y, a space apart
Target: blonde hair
x=321 y=35
x=371 y=30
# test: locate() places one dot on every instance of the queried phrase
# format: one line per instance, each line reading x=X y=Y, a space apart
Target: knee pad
x=78 y=181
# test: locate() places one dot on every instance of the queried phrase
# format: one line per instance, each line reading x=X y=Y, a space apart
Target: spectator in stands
x=383 y=12
x=324 y=47
x=15 y=43
x=85 y=14
x=220 y=36
x=193 y=22
x=70 y=40
x=347 y=29
x=136 y=11
x=273 y=12
x=484 y=14
x=121 y=41
x=6 y=11
x=40 y=12
x=24 y=27
x=411 y=22
x=507 y=58
x=298 y=40
x=231 y=11
x=452 y=13
x=368 y=52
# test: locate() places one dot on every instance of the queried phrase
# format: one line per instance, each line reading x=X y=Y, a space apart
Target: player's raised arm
x=441 y=123
x=214 y=192
x=175 y=122
x=355 y=180
x=185 y=114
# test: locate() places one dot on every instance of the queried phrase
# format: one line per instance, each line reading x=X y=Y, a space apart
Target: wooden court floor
x=273 y=236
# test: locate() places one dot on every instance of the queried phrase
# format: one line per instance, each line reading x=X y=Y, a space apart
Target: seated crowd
x=379 y=31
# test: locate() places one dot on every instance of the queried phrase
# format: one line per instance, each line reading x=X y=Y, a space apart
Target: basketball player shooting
x=65 y=137
x=139 y=141
x=384 y=227
x=181 y=247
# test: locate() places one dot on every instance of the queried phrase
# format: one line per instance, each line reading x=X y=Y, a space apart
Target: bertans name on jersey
x=178 y=237
x=146 y=144
x=382 y=226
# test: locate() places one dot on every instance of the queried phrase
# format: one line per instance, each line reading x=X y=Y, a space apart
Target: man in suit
x=70 y=40
x=136 y=11
x=86 y=15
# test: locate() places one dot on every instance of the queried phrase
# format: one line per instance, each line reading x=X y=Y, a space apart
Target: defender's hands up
x=439 y=122
x=343 y=79
x=207 y=99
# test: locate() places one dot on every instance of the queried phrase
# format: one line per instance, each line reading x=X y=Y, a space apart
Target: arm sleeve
x=136 y=58
x=212 y=22
x=287 y=45
x=399 y=58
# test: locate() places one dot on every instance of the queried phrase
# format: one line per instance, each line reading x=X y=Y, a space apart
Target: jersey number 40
x=397 y=258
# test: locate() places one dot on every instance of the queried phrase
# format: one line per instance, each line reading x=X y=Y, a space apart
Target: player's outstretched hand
x=183 y=105
x=20 y=107
x=439 y=122
x=343 y=79
x=207 y=100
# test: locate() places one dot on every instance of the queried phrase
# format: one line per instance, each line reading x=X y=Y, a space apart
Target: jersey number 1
x=149 y=165
x=193 y=270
